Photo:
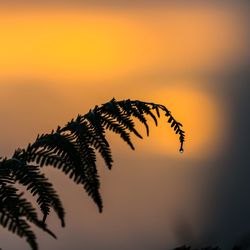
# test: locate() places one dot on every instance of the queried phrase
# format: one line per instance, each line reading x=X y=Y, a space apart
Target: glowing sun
x=200 y=114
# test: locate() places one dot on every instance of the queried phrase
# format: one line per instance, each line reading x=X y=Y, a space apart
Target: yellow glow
x=93 y=46
x=201 y=117
x=71 y=44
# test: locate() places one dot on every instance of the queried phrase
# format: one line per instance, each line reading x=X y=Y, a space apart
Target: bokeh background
x=58 y=59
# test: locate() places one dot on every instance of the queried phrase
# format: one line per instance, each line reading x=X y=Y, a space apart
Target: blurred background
x=58 y=59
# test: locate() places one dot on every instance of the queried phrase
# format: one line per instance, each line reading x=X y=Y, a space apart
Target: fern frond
x=61 y=145
x=145 y=109
x=5 y=174
x=14 y=209
x=76 y=160
x=139 y=109
x=71 y=149
x=112 y=109
x=96 y=136
x=43 y=157
x=131 y=110
x=36 y=183
x=19 y=227
x=84 y=140
x=114 y=126
x=174 y=124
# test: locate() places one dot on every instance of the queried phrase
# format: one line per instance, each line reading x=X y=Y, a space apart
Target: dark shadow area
x=226 y=195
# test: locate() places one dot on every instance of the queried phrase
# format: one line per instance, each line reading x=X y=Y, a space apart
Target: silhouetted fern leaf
x=18 y=226
x=115 y=126
x=112 y=109
x=79 y=167
x=37 y=184
x=13 y=209
x=72 y=149
x=96 y=136
x=131 y=110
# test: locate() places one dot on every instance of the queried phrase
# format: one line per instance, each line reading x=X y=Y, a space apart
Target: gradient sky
x=61 y=59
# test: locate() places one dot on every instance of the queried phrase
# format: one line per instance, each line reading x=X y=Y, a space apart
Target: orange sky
x=103 y=44
x=94 y=46
x=58 y=62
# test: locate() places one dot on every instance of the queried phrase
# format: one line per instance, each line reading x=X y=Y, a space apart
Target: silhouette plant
x=71 y=149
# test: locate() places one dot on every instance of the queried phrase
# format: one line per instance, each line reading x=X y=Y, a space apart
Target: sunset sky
x=59 y=59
